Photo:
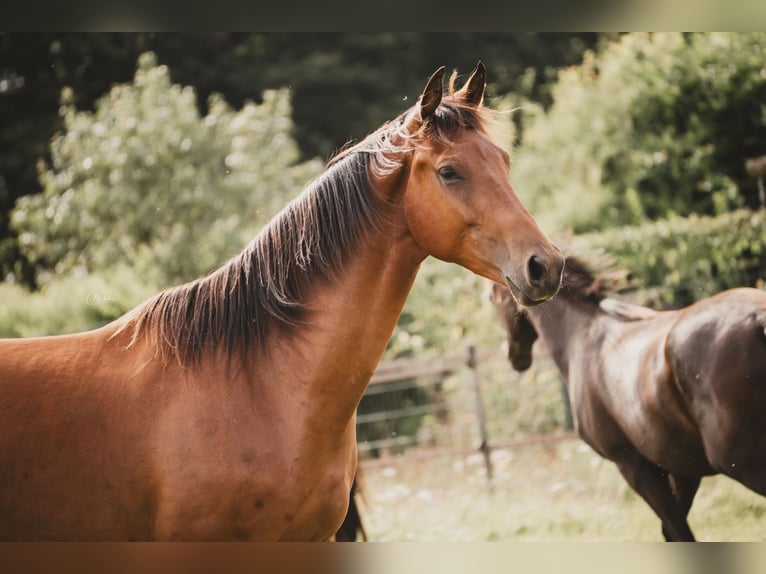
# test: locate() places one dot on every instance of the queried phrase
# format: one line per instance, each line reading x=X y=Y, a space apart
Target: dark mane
x=308 y=242
x=582 y=281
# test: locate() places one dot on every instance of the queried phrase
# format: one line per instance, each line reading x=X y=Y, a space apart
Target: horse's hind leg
x=652 y=484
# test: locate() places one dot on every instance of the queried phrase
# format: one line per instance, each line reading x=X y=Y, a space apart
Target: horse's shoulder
x=626 y=311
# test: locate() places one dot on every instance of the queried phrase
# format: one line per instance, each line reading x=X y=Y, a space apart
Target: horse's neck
x=353 y=319
x=349 y=326
x=564 y=325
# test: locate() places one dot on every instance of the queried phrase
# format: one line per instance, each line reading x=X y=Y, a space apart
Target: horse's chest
x=253 y=493
x=256 y=507
x=307 y=508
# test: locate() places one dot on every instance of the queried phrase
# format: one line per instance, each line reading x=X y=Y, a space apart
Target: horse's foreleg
x=653 y=485
x=684 y=488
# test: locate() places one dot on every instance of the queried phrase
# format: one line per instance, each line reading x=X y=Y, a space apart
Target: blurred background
x=130 y=162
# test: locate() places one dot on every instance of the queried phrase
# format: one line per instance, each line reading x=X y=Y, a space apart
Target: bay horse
x=224 y=408
x=668 y=396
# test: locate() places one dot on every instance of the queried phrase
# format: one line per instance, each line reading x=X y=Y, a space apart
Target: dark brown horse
x=224 y=409
x=668 y=396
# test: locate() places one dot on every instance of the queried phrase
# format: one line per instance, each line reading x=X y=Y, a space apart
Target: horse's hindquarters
x=718 y=353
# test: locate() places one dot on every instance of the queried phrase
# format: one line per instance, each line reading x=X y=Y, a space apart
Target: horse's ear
x=472 y=91
x=432 y=95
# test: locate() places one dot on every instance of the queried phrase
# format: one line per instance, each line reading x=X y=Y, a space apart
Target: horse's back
x=717 y=351
x=626 y=311
x=43 y=370
x=34 y=357
x=69 y=445
x=724 y=333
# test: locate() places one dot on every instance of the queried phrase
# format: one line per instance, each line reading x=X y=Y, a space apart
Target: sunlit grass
x=554 y=492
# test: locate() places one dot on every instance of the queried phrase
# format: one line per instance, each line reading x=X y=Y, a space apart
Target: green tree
x=651 y=126
x=342 y=84
x=33 y=70
x=146 y=181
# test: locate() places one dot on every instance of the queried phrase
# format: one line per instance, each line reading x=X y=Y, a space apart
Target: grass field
x=560 y=491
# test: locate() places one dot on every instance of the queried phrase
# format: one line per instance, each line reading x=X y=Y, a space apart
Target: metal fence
x=401 y=392
x=466 y=401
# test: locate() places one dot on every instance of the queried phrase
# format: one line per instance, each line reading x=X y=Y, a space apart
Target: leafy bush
x=448 y=306
x=651 y=126
x=70 y=304
x=681 y=260
x=145 y=181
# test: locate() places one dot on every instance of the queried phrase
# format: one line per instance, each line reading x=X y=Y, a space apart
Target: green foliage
x=342 y=84
x=70 y=304
x=145 y=181
x=652 y=126
x=35 y=68
x=678 y=261
x=447 y=305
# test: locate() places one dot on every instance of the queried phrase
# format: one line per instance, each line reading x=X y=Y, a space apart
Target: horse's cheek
x=431 y=225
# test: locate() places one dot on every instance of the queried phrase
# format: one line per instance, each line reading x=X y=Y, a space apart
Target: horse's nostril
x=536 y=270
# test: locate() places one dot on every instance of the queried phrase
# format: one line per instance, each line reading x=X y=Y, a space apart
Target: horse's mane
x=581 y=281
x=592 y=280
x=309 y=241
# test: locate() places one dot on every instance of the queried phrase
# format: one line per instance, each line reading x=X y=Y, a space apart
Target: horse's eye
x=449 y=174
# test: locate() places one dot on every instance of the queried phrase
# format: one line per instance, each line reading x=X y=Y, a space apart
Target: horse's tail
x=352 y=527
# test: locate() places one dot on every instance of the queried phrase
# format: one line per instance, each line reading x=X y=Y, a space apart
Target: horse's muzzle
x=543 y=274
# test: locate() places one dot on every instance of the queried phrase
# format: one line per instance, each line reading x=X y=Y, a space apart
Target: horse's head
x=458 y=201
x=521 y=334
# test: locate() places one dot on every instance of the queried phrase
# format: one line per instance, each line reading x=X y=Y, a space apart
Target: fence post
x=481 y=415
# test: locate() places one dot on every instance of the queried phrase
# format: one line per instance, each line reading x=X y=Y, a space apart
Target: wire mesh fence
x=469 y=400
